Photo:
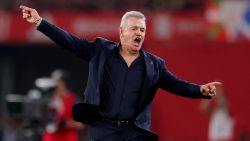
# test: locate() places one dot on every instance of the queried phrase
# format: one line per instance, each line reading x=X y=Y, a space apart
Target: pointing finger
x=216 y=83
x=25 y=8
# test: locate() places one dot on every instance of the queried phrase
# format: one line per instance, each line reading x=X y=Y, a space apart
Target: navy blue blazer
x=96 y=52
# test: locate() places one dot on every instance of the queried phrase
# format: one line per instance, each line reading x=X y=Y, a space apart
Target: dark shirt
x=120 y=87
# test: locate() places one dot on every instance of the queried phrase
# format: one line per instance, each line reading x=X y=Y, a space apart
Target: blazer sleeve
x=79 y=47
x=173 y=84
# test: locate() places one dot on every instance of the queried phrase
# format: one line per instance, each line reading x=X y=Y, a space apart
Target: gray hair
x=135 y=14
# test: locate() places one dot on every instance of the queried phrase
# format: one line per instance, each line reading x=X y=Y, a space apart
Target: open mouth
x=137 y=40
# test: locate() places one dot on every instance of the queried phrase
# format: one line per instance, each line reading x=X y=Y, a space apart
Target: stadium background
x=200 y=40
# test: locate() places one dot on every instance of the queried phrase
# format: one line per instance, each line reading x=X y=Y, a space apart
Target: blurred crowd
x=89 y=5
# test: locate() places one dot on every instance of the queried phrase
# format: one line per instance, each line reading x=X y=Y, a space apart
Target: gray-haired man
x=123 y=79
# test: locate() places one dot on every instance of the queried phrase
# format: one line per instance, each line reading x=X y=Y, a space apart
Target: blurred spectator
x=62 y=127
x=221 y=124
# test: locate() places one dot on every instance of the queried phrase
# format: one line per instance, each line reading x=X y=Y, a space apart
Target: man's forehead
x=137 y=22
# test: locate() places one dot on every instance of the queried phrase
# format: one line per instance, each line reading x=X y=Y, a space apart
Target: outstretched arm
x=173 y=84
x=79 y=47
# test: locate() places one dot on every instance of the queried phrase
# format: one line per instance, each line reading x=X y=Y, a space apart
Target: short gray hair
x=135 y=14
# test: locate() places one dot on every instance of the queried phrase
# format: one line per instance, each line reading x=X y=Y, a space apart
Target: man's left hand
x=209 y=89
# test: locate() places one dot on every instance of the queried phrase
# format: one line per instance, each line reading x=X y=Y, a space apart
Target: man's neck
x=129 y=57
x=127 y=53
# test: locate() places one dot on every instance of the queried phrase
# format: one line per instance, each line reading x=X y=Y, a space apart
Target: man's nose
x=138 y=32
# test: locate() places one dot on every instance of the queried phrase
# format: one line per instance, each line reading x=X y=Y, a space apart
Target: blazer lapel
x=103 y=57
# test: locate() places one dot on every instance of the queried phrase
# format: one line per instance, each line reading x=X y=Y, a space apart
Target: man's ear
x=120 y=30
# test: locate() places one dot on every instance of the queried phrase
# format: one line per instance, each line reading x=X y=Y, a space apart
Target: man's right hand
x=30 y=15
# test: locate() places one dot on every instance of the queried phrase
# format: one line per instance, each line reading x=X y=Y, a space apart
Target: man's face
x=132 y=34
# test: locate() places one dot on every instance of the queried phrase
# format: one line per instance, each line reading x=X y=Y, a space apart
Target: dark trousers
x=104 y=131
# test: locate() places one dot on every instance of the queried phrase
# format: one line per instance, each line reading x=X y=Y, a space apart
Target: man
x=123 y=79
x=62 y=127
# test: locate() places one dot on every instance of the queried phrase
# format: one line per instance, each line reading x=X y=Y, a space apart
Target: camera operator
x=62 y=127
